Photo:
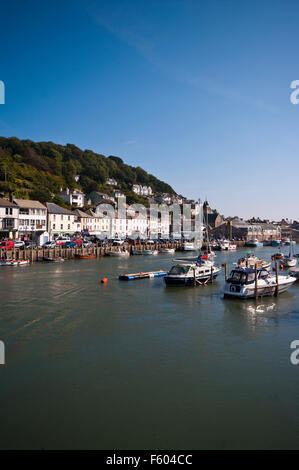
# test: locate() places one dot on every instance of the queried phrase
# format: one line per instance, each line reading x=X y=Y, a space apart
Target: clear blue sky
x=196 y=92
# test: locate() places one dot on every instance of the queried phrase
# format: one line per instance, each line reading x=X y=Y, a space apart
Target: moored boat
x=150 y=252
x=242 y=283
x=190 y=273
x=252 y=261
x=276 y=243
x=254 y=243
x=119 y=253
x=87 y=256
x=168 y=250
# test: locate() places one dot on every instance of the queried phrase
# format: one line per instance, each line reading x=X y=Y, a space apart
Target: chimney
x=11 y=197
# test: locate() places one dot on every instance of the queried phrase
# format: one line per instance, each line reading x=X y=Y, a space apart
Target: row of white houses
x=27 y=219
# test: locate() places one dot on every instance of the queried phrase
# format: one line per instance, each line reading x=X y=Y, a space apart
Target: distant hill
x=37 y=170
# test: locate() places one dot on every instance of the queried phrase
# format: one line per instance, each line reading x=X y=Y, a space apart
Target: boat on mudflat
x=242 y=283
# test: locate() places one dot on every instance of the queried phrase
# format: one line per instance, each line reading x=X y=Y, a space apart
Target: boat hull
x=188 y=280
x=237 y=291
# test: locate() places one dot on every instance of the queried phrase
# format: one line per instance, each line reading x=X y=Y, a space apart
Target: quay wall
x=70 y=253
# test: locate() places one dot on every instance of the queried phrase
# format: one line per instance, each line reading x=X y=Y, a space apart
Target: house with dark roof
x=61 y=221
x=9 y=219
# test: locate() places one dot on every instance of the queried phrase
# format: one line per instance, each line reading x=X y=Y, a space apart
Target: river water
x=136 y=365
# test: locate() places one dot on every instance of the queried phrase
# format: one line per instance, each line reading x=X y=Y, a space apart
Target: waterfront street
x=136 y=365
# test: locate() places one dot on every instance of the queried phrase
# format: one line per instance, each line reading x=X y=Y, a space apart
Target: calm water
x=136 y=365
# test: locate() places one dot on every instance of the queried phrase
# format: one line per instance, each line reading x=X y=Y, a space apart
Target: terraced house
x=9 y=219
x=61 y=221
x=32 y=218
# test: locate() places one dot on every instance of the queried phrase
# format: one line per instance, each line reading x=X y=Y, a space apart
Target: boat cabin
x=246 y=276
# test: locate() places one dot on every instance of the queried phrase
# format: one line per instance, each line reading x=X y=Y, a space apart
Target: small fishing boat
x=119 y=253
x=251 y=261
x=150 y=252
x=242 y=283
x=254 y=243
x=190 y=273
x=87 y=256
x=276 y=243
x=53 y=259
x=168 y=251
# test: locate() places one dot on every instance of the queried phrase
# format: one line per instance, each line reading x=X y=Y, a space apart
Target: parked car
x=19 y=244
x=62 y=240
x=86 y=243
x=70 y=245
x=29 y=245
x=49 y=244
x=7 y=245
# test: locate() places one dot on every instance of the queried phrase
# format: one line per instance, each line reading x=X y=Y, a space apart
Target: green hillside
x=37 y=170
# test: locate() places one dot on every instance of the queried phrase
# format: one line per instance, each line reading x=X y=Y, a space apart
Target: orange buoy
x=104 y=280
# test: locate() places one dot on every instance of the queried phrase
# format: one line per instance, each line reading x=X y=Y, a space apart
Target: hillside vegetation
x=37 y=170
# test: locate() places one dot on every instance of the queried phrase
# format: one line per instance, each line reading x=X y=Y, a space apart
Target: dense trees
x=40 y=169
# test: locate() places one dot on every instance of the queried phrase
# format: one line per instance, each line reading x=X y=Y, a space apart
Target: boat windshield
x=179 y=269
x=238 y=276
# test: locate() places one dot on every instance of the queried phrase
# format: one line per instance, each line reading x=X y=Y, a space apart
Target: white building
x=142 y=190
x=61 y=221
x=32 y=218
x=9 y=219
x=74 y=198
x=111 y=182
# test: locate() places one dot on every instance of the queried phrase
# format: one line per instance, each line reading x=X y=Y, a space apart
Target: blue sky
x=195 y=92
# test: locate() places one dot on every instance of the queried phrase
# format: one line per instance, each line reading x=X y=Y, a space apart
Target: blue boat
x=276 y=243
x=254 y=243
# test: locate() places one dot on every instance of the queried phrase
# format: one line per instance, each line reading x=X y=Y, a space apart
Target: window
x=54 y=227
x=68 y=227
x=61 y=227
x=8 y=211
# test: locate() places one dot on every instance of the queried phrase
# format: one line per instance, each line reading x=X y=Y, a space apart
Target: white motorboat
x=119 y=253
x=188 y=273
x=150 y=252
x=242 y=283
x=232 y=247
x=169 y=251
x=224 y=245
